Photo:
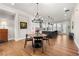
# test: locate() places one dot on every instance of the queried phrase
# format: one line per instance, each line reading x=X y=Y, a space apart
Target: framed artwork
x=23 y=25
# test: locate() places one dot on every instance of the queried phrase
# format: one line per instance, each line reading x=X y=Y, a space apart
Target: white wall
x=66 y=27
x=75 y=20
x=19 y=16
x=9 y=24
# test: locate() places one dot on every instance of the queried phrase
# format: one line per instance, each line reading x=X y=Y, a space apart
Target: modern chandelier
x=37 y=17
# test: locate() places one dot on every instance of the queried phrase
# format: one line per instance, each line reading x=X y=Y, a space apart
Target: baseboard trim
x=19 y=39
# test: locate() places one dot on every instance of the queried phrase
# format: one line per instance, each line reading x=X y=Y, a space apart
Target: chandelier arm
x=37 y=7
x=37 y=18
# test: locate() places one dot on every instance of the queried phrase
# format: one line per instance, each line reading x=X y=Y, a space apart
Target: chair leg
x=33 y=50
x=25 y=43
x=42 y=48
x=48 y=42
x=33 y=47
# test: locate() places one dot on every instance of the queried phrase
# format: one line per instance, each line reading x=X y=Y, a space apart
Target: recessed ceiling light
x=12 y=3
x=65 y=8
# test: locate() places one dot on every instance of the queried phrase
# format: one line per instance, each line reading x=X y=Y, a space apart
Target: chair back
x=38 y=37
x=26 y=35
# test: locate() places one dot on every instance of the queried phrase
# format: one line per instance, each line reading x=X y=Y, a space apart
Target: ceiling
x=55 y=10
x=5 y=14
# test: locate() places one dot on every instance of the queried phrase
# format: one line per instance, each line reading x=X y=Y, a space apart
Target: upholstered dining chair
x=27 y=39
x=38 y=43
x=47 y=39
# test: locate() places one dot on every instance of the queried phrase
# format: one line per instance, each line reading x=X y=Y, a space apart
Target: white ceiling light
x=12 y=3
x=65 y=9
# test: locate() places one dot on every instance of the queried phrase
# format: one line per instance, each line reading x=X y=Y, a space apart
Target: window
x=54 y=27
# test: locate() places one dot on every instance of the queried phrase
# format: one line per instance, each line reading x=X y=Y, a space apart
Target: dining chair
x=37 y=43
x=27 y=39
x=47 y=39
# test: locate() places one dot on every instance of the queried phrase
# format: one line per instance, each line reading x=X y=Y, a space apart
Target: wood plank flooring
x=60 y=46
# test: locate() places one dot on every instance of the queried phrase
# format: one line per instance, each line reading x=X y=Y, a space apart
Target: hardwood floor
x=62 y=46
